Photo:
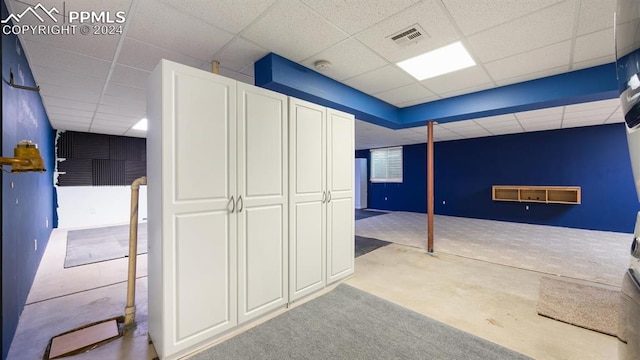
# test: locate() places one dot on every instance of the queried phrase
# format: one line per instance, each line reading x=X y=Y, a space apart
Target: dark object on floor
x=363 y=214
x=88 y=246
x=83 y=339
x=348 y=323
x=365 y=245
x=585 y=304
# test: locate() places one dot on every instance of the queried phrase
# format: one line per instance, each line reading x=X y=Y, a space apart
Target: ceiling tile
x=585 y=122
x=404 y=93
x=67 y=103
x=428 y=14
x=59 y=111
x=384 y=78
x=540 y=119
x=533 y=76
x=126 y=75
x=611 y=104
x=547 y=125
x=56 y=59
x=47 y=76
x=236 y=75
x=123 y=102
x=114 y=118
x=354 y=16
x=506 y=130
x=593 y=46
x=554 y=111
x=593 y=62
x=60 y=125
x=541 y=59
x=157 y=24
x=498 y=119
x=473 y=16
x=305 y=32
x=417 y=101
x=78 y=94
x=545 y=27
x=585 y=118
x=116 y=110
x=348 y=59
x=136 y=133
x=125 y=91
x=466 y=90
x=468 y=78
x=595 y=15
x=70 y=119
x=143 y=56
x=239 y=53
x=222 y=13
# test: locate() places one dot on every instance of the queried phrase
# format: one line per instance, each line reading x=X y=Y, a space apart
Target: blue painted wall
x=595 y=158
x=29 y=203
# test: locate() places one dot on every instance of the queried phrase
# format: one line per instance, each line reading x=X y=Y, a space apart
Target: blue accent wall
x=595 y=158
x=27 y=204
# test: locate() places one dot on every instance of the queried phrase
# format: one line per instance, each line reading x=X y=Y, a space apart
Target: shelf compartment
x=538 y=194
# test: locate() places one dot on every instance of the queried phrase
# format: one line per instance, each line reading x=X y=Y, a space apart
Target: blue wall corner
x=27 y=205
x=595 y=158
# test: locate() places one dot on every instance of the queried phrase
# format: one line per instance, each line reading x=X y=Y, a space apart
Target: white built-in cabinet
x=223 y=157
x=320 y=196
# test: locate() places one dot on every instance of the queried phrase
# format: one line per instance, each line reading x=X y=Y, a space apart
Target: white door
x=307 y=195
x=262 y=201
x=199 y=157
x=340 y=209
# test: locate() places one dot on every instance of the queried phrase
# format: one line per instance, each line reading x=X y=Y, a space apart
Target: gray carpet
x=351 y=324
x=88 y=246
x=363 y=214
x=366 y=245
x=588 y=305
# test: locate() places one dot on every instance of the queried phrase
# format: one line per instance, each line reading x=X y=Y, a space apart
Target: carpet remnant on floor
x=589 y=305
x=351 y=324
x=87 y=246
x=366 y=245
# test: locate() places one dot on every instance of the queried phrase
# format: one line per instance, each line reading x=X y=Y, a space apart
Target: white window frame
x=384 y=153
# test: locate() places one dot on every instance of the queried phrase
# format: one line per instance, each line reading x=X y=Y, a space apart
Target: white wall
x=361 y=180
x=95 y=206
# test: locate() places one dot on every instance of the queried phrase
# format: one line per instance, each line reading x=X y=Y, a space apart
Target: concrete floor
x=492 y=301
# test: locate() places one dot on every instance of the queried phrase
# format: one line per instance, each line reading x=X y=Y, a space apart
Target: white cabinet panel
x=341 y=151
x=309 y=146
x=340 y=239
x=202 y=306
x=308 y=249
x=262 y=207
x=201 y=137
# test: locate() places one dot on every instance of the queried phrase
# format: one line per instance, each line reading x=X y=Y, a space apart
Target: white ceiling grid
x=98 y=83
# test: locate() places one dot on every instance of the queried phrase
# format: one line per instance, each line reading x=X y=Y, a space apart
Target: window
x=386 y=165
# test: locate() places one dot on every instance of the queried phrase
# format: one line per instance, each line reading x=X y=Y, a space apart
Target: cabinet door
x=340 y=207
x=307 y=177
x=199 y=230
x=262 y=207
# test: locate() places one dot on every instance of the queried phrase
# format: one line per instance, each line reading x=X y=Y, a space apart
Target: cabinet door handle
x=324 y=196
x=240 y=204
x=329 y=197
x=233 y=204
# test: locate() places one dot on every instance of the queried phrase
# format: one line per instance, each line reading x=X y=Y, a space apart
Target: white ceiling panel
x=67 y=104
x=159 y=27
x=417 y=101
x=412 y=92
x=66 y=78
x=594 y=45
x=136 y=133
x=497 y=119
x=143 y=56
x=533 y=76
x=70 y=126
x=51 y=57
x=584 y=122
x=55 y=111
x=68 y=119
x=382 y=79
x=125 y=103
x=545 y=27
x=126 y=75
x=547 y=125
x=591 y=15
x=474 y=16
x=239 y=53
x=70 y=93
x=470 y=77
x=429 y=15
x=223 y=14
x=293 y=30
x=554 y=111
x=541 y=59
x=348 y=59
x=116 y=110
x=369 y=11
x=464 y=90
x=611 y=104
x=125 y=91
x=236 y=75
x=593 y=62
x=109 y=118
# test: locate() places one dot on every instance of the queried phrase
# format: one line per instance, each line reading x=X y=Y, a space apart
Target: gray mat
x=351 y=324
x=591 y=306
x=88 y=246
x=363 y=214
x=366 y=245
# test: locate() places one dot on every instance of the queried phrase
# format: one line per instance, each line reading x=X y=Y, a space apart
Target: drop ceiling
x=96 y=83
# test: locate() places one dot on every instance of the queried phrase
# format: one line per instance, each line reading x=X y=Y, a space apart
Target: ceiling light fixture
x=322 y=65
x=141 y=125
x=437 y=62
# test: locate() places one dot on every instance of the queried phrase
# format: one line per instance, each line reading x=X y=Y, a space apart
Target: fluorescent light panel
x=437 y=62
x=141 y=125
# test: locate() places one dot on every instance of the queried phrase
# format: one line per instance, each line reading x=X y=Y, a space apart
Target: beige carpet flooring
x=585 y=304
x=598 y=256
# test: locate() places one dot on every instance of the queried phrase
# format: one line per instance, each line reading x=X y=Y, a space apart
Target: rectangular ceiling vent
x=408 y=36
